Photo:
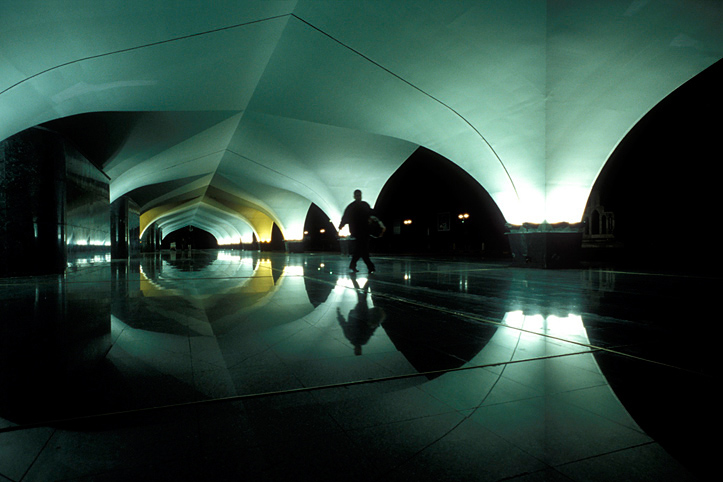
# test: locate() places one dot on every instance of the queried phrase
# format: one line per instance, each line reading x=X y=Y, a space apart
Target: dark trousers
x=361 y=250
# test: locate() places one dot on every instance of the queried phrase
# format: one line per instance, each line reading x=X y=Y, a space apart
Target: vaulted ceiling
x=234 y=115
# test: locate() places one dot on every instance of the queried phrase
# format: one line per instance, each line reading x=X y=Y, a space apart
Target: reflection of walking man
x=358 y=215
x=363 y=321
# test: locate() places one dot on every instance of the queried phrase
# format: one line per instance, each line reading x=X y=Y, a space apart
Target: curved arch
x=504 y=96
x=419 y=89
x=429 y=192
x=236 y=227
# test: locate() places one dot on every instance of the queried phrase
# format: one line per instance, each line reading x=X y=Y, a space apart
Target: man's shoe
x=353 y=270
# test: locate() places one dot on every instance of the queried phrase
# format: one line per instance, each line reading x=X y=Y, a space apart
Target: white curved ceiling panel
x=227 y=229
x=316 y=161
x=266 y=107
x=191 y=155
x=218 y=70
x=156 y=133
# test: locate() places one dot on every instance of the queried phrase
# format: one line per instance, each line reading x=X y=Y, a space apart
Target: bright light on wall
x=294 y=232
x=565 y=204
x=229 y=241
x=562 y=203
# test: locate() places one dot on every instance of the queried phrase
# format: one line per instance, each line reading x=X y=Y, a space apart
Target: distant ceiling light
x=322 y=231
x=407 y=221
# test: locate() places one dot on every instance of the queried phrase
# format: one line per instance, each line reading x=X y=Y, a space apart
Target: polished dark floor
x=255 y=366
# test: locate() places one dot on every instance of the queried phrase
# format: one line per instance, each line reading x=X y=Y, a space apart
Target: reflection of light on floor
x=241 y=273
x=555 y=381
x=293 y=270
x=463 y=284
x=568 y=327
x=347 y=289
x=526 y=337
x=348 y=283
x=230 y=256
x=148 y=286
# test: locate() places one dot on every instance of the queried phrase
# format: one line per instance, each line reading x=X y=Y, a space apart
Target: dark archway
x=661 y=183
x=430 y=193
x=197 y=238
x=319 y=231
x=277 y=242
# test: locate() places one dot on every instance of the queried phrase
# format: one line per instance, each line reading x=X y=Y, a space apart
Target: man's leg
x=370 y=265
x=356 y=254
x=364 y=254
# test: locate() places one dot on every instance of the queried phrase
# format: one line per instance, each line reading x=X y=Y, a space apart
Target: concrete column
x=32 y=204
x=134 y=229
x=53 y=205
x=119 y=228
x=152 y=237
x=124 y=228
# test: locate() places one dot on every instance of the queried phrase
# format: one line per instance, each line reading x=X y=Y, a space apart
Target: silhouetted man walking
x=358 y=216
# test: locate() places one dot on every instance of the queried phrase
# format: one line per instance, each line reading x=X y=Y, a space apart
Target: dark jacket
x=356 y=215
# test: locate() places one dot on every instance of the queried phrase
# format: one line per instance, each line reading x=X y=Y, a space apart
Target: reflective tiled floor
x=256 y=366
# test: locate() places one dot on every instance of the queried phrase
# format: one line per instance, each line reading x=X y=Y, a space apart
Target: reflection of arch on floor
x=547 y=384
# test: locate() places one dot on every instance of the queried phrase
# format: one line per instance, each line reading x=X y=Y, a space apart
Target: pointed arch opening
x=432 y=206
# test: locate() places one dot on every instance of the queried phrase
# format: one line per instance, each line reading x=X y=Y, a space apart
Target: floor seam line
x=250 y=396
